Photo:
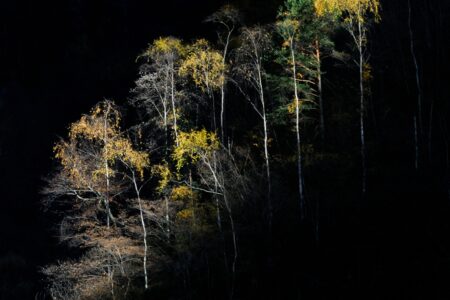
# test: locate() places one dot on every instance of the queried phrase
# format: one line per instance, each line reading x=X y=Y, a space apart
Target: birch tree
x=219 y=175
x=90 y=170
x=289 y=29
x=227 y=19
x=357 y=15
x=206 y=67
x=157 y=90
x=255 y=41
x=418 y=122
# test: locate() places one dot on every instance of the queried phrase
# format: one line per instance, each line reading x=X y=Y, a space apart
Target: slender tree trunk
x=194 y=219
x=213 y=100
x=417 y=76
x=105 y=139
x=166 y=152
x=166 y=138
x=144 y=230
x=297 y=131
x=430 y=132
x=322 y=131
x=172 y=97
x=230 y=216
x=362 y=106
x=111 y=279
x=235 y=249
x=416 y=144
x=222 y=89
x=319 y=92
x=108 y=210
x=219 y=222
x=266 y=158
x=216 y=187
x=266 y=143
x=166 y=200
x=222 y=113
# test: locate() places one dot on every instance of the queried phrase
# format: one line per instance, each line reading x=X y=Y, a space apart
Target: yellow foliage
x=293 y=106
x=121 y=148
x=165 y=176
x=204 y=65
x=100 y=132
x=72 y=164
x=355 y=8
x=182 y=193
x=367 y=72
x=193 y=145
x=288 y=29
x=187 y=213
x=165 y=46
x=102 y=122
x=326 y=6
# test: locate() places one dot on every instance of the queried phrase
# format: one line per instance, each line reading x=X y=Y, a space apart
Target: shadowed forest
x=276 y=149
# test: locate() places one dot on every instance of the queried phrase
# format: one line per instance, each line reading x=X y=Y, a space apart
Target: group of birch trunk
x=148 y=199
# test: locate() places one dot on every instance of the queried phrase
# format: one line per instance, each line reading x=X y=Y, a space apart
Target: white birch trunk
x=297 y=131
x=416 y=68
x=266 y=139
x=319 y=91
x=172 y=97
x=105 y=140
x=144 y=229
x=222 y=89
x=362 y=106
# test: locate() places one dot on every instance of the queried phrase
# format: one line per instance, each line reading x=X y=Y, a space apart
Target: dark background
x=58 y=58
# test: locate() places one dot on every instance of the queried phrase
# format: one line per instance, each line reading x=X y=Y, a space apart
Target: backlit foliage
x=165 y=175
x=204 y=197
x=367 y=72
x=354 y=8
x=95 y=145
x=288 y=29
x=165 y=46
x=187 y=213
x=182 y=193
x=193 y=146
x=205 y=66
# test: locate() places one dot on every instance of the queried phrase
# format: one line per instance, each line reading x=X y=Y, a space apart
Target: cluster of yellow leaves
x=204 y=65
x=101 y=123
x=165 y=176
x=367 y=72
x=121 y=148
x=182 y=193
x=355 y=8
x=101 y=130
x=288 y=29
x=326 y=6
x=165 y=46
x=187 y=213
x=72 y=164
x=293 y=106
x=193 y=145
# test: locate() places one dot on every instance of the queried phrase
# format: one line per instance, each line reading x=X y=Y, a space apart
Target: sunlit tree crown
x=204 y=65
x=356 y=8
x=193 y=145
